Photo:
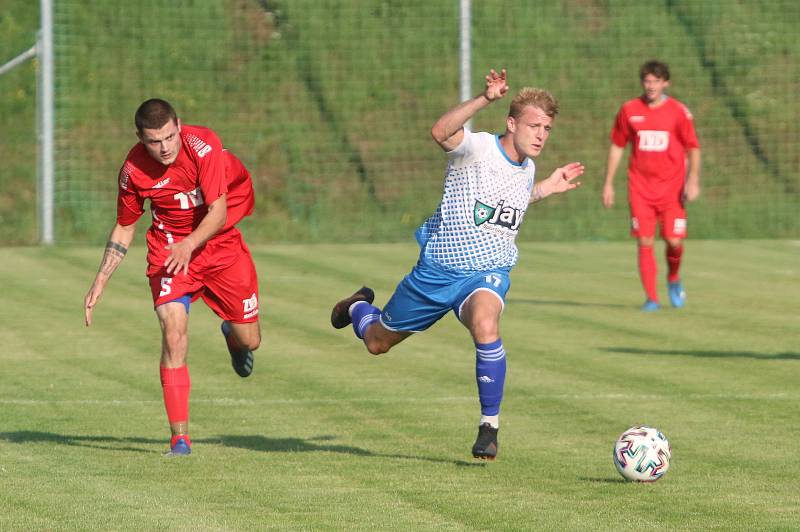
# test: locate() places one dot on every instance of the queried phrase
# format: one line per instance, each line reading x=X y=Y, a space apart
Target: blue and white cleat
x=677 y=295
x=650 y=306
x=180 y=447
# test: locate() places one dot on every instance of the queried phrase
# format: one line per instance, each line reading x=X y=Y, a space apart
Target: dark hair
x=656 y=68
x=154 y=114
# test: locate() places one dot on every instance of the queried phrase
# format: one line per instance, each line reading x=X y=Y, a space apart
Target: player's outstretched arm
x=561 y=180
x=448 y=131
x=117 y=246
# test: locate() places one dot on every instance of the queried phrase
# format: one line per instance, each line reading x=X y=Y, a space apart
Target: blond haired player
x=467 y=246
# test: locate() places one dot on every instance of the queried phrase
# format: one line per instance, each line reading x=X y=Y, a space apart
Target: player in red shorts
x=661 y=132
x=198 y=192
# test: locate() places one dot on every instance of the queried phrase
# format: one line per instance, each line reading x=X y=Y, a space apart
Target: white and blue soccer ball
x=642 y=454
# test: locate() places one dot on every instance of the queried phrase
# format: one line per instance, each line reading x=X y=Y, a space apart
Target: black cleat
x=340 y=315
x=241 y=360
x=485 y=446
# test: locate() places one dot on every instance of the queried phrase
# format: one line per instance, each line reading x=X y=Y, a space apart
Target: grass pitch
x=325 y=436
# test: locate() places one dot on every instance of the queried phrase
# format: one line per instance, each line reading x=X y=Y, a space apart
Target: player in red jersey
x=661 y=132
x=198 y=192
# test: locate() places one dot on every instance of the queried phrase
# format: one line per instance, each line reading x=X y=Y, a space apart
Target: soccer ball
x=642 y=454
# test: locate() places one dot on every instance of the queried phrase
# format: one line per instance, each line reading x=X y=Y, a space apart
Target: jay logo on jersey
x=499 y=216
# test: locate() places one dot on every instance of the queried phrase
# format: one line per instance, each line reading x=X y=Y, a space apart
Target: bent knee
x=256 y=343
x=248 y=337
x=483 y=329
x=377 y=347
x=253 y=339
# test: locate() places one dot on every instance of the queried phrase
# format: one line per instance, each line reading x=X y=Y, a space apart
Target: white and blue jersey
x=468 y=244
x=485 y=198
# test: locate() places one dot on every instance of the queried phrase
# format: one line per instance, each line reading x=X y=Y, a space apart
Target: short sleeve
x=130 y=206
x=472 y=145
x=687 y=131
x=210 y=162
x=620 y=132
x=466 y=148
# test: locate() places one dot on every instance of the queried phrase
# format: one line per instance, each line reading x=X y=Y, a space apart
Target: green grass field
x=326 y=437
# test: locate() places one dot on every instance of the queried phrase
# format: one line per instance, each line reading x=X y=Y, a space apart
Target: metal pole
x=466 y=53
x=21 y=58
x=46 y=112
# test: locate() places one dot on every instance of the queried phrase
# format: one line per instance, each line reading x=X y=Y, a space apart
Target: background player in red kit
x=197 y=193
x=661 y=132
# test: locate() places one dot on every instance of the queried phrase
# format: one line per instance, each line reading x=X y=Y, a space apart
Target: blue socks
x=363 y=315
x=490 y=372
x=490 y=359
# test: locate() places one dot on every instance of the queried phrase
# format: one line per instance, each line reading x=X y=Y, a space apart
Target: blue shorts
x=428 y=293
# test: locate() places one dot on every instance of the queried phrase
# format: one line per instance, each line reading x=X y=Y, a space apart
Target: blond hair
x=530 y=96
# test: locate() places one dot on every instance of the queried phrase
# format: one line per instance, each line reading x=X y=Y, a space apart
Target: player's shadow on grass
x=252 y=443
x=107 y=443
x=704 y=353
x=563 y=303
x=275 y=445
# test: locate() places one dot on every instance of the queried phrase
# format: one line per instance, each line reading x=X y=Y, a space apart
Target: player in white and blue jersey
x=467 y=246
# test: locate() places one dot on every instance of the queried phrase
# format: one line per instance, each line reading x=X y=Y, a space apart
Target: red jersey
x=241 y=198
x=179 y=194
x=660 y=137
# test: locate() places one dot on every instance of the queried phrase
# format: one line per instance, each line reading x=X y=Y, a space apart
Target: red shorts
x=223 y=274
x=671 y=216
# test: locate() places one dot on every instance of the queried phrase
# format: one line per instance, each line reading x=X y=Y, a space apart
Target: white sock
x=351 y=307
x=494 y=421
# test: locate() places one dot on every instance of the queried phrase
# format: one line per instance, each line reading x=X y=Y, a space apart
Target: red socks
x=647 y=271
x=176 y=385
x=674 y=262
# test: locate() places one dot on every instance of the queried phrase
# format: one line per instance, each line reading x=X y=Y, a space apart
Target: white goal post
x=43 y=49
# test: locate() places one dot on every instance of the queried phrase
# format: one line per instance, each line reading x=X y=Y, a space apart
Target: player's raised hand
x=496 y=86
x=563 y=178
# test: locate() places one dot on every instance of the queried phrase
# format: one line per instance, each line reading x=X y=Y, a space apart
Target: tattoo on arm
x=112 y=257
x=119 y=247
